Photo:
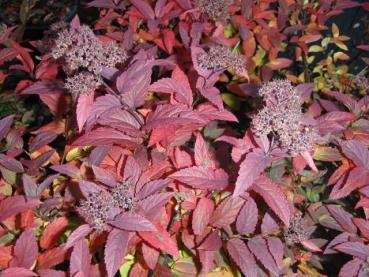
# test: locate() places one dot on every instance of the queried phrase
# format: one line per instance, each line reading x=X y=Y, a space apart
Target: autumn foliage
x=186 y=138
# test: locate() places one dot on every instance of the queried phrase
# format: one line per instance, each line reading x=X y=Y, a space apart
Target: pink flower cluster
x=81 y=51
x=220 y=58
x=282 y=116
x=214 y=9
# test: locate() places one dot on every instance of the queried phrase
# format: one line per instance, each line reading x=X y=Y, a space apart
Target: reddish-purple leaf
x=160 y=239
x=351 y=268
x=51 y=273
x=29 y=186
x=311 y=246
x=181 y=90
x=105 y=176
x=260 y=249
x=269 y=224
x=363 y=226
x=52 y=257
x=13 y=205
x=106 y=136
x=203 y=155
x=242 y=257
x=343 y=218
x=211 y=243
x=123 y=121
x=11 y=164
x=356 y=152
x=84 y=107
x=226 y=212
x=274 y=197
x=152 y=187
x=80 y=259
x=305 y=89
x=45 y=87
x=132 y=222
x=152 y=205
x=250 y=169
x=115 y=250
x=247 y=218
x=42 y=139
x=67 y=169
x=276 y=248
x=109 y=4
x=133 y=84
x=150 y=256
x=98 y=154
x=25 y=250
x=53 y=232
x=5 y=125
x=201 y=215
x=202 y=178
x=356 y=249
x=144 y=8
x=132 y=170
x=17 y=272
x=79 y=234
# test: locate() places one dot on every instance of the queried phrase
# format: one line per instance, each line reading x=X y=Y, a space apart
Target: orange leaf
x=52 y=232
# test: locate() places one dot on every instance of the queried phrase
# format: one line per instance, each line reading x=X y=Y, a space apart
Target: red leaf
x=150 y=256
x=203 y=155
x=247 y=218
x=51 y=258
x=226 y=213
x=308 y=244
x=5 y=255
x=84 y=107
x=260 y=249
x=202 y=177
x=242 y=257
x=161 y=240
x=80 y=259
x=52 y=232
x=250 y=169
x=78 y=234
x=279 y=63
x=25 y=250
x=201 y=215
x=115 y=250
x=363 y=226
x=274 y=197
x=17 y=272
x=132 y=222
x=106 y=136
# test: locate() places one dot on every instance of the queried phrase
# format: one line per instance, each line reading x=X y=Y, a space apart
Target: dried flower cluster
x=282 y=116
x=83 y=82
x=98 y=208
x=361 y=81
x=81 y=50
x=219 y=58
x=297 y=231
x=122 y=197
x=214 y=9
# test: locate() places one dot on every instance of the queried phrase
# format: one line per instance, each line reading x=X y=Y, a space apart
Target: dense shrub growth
x=184 y=138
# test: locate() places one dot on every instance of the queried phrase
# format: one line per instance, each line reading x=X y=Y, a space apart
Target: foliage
x=185 y=138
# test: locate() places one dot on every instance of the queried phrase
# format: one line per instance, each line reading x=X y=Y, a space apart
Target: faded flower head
x=361 y=81
x=221 y=57
x=282 y=116
x=83 y=82
x=214 y=9
x=82 y=49
x=279 y=91
x=96 y=210
x=122 y=196
x=297 y=231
